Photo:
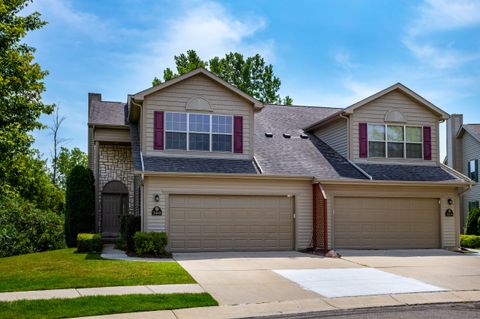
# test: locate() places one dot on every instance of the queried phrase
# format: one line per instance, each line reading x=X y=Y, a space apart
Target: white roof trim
x=141 y=95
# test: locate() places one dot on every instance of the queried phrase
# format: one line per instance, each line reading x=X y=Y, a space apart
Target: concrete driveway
x=245 y=278
x=438 y=267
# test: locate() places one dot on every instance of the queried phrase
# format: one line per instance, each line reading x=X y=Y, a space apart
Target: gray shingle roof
x=108 y=113
x=297 y=156
x=473 y=129
x=198 y=165
x=186 y=164
x=416 y=173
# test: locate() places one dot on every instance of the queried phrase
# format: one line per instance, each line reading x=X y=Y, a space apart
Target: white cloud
x=344 y=60
x=436 y=16
x=208 y=28
x=61 y=14
x=443 y=15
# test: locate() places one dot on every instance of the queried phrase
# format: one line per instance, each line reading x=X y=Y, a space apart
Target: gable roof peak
x=141 y=95
x=405 y=90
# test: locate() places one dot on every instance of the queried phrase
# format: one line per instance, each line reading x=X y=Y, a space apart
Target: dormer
x=195 y=115
x=395 y=125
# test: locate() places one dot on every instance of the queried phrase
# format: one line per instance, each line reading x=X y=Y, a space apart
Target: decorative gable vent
x=395 y=116
x=198 y=104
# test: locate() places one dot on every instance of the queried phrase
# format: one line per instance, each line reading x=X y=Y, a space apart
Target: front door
x=112 y=211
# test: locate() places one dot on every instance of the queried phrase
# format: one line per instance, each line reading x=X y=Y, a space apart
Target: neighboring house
x=218 y=170
x=463 y=154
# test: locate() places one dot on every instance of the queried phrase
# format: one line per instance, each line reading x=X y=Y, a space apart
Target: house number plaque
x=449 y=213
x=157 y=211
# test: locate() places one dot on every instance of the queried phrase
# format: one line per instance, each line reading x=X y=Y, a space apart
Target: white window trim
x=386 y=141
x=187 y=132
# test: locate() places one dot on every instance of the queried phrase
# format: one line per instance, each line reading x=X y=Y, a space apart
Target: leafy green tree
x=473 y=222
x=80 y=204
x=29 y=177
x=67 y=160
x=21 y=85
x=251 y=75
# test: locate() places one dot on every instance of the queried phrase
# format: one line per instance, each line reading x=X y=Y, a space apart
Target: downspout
x=142 y=203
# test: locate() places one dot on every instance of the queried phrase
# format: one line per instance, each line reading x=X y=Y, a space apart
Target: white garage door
x=377 y=223
x=229 y=223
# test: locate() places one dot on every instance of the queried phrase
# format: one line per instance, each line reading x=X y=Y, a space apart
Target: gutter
x=360 y=170
x=227 y=175
x=389 y=183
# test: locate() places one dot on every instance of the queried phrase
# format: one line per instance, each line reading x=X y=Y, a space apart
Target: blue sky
x=327 y=53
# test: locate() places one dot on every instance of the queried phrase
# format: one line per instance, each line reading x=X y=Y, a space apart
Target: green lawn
x=100 y=305
x=65 y=269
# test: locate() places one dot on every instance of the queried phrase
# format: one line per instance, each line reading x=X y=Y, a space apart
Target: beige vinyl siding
x=300 y=190
x=374 y=113
x=471 y=151
x=175 y=99
x=449 y=225
x=112 y=135
x=335 y=135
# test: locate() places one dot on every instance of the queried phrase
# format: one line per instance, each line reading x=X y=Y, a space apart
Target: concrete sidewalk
x=100 y=291
x=301 y=306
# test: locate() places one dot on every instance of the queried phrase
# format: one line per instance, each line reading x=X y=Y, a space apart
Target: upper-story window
x=394 y=141
x=473 y=170
x=198 y=132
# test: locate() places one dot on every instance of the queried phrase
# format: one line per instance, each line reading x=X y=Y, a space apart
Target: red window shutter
x=363 y=140
x=238 y=134
x=158 y=130
x=427 y=143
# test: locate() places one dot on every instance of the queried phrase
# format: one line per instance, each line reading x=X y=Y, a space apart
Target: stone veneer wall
x=115 y=163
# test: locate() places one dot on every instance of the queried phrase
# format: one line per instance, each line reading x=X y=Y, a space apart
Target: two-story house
x=218 y=170
x=463 y=154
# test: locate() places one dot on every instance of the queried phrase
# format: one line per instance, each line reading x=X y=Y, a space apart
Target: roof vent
x=268 y=134
x=304 y=136
x=286 y=135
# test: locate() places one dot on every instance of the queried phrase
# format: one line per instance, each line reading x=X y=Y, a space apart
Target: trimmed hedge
x=150 y=244
x=89 y=243
x=470 y=241
x=25 y=229
x=473 y=222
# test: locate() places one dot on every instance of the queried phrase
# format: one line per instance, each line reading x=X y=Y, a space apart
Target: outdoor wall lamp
x=156 y=197
x=450 y=201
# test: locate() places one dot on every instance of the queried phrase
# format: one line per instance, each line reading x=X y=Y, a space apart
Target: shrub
x=89 y=243
x=130 y=224
x=80 y=204
x=150 y=244
x=470 y=241
x=28 y=229
x=473 y=222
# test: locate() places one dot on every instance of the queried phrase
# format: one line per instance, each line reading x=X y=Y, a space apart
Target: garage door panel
x=374 y=223
x=209 y=223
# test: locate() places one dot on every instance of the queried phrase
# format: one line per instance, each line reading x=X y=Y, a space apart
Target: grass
x=65 y=269
x=100 y=305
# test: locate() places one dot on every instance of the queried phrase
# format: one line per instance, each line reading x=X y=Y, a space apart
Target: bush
x=130 y=224
x=473 y=222
x=150 y=244
x=89 y=243
x=80 y=204
x=28 y=229
x=470 y=241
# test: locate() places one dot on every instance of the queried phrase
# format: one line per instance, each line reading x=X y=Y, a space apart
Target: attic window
x=286 y=135
x=268 y=134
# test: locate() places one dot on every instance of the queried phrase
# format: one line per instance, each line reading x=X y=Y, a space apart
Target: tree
x=251 y=75
x=473 y=222
x=21 y=84
x=57 y=142
x=66 y=161
x=80 y=204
